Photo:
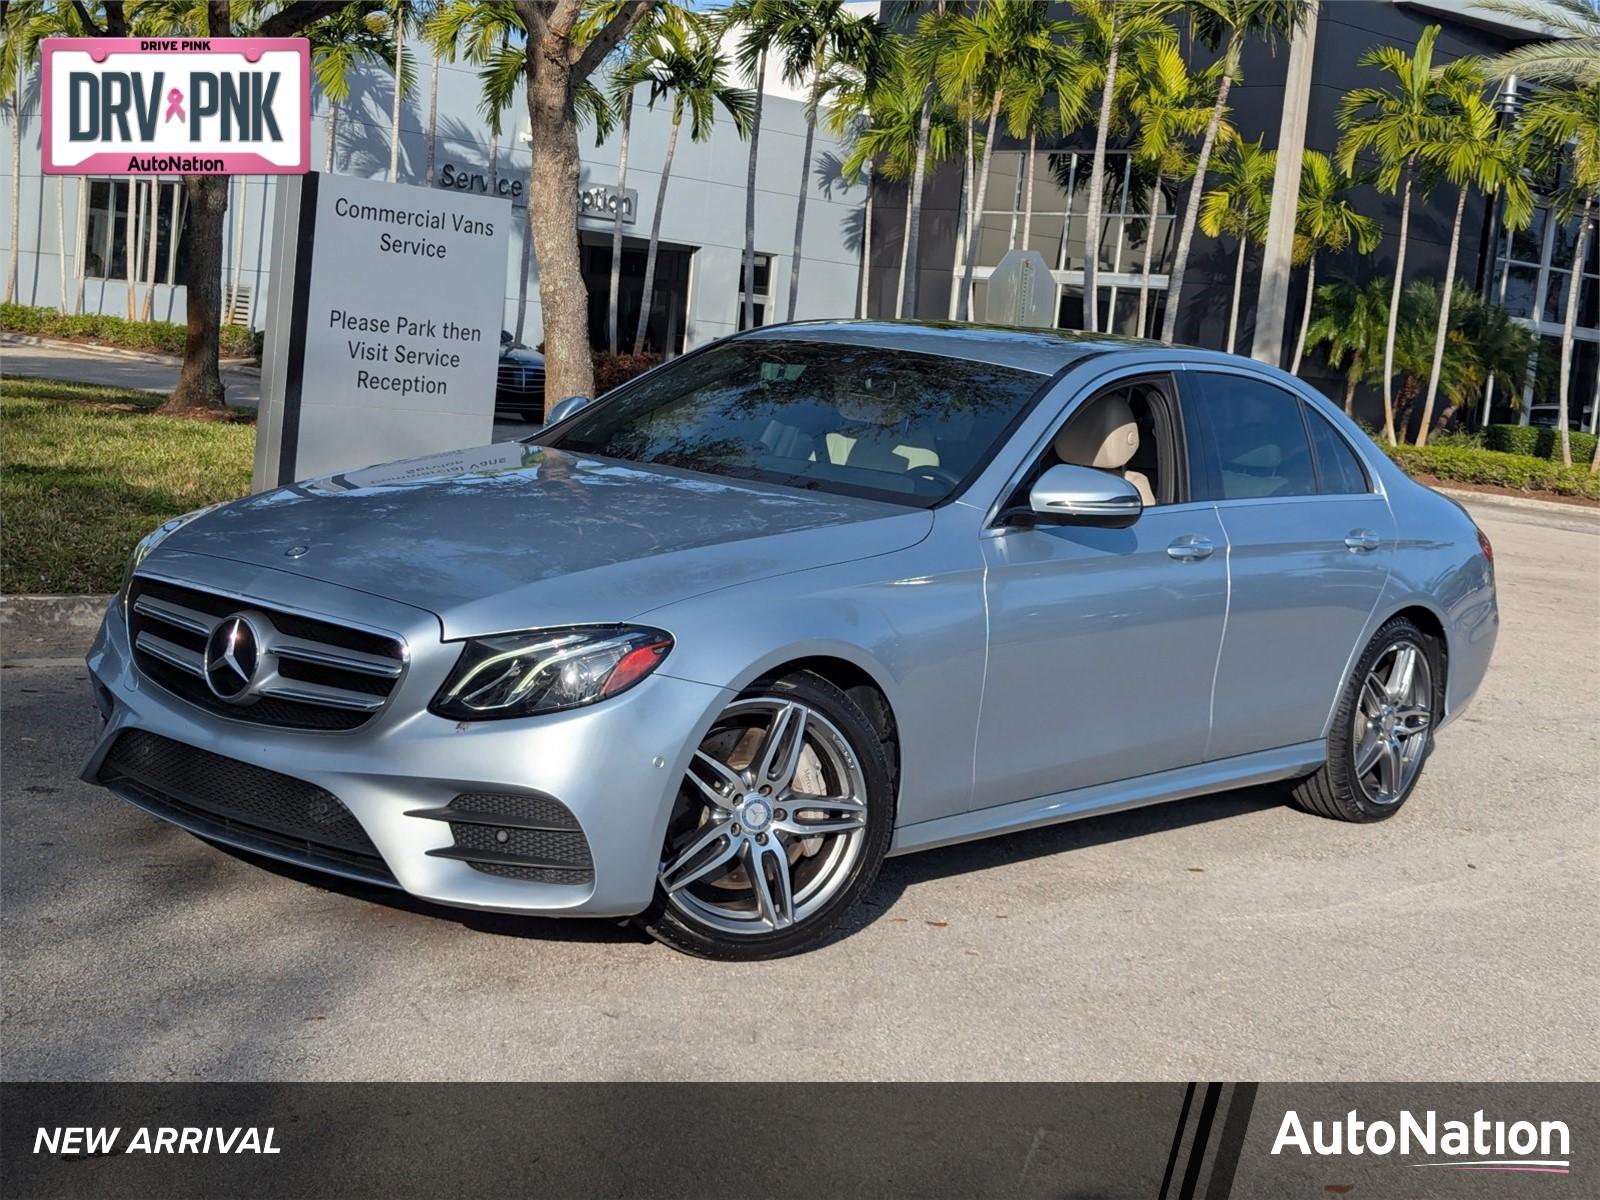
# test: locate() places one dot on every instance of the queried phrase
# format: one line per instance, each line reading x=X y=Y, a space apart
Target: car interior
x=1125 y=431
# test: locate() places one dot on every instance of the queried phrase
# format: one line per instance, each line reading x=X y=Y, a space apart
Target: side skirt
x=1244 y=770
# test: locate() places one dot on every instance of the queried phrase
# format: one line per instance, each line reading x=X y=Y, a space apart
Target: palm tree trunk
x=1091 y=252
x=1027 y=190
x=433 y=119
x=1305 y=315
x=16 y=185
x=1238 y=288
x=749 y=275
x=527 y=262
x=1442 y=333
x=613 y=299
x=1149 y=254
x=964 y=233
x=150 y=253
x=1191 y=212
x=394 y=111
x=61 y=244
x=866 y=242
x=130 y=240
x=1351 y=381
x=1394 y=312
x=80 y=263
x=907 y=300
x=1566 y=331
x=333 y=134
x=494 y=160
x=964 y=302
x=805 y=186
x=655 y=238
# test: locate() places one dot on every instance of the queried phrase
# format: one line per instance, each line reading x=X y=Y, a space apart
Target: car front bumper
x=616 y=767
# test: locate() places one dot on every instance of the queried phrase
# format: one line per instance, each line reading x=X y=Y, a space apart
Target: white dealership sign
x=383 y=327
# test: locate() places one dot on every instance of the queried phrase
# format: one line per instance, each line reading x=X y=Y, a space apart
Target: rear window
x=1338 y=469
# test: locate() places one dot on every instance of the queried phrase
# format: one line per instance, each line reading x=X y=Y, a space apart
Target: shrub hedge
x=1539 y=441
x=614 y=370
x=160 y=337
x=1524 y=472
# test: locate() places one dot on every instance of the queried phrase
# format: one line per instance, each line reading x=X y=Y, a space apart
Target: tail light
x=1488 y=550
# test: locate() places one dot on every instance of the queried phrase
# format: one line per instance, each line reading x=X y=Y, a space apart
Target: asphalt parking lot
x=1223 y=937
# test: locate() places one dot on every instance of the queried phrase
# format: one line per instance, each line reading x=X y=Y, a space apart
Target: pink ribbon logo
x=175 y=105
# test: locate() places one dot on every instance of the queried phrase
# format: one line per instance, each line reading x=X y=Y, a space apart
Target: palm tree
x=23 y=26
x=1172 y=106
x=1001 y=45
x=1473 y=150
x=1324 y=220
x=1499 y=349
x=760 y=21
x=923 y=55
x=401 y=18
x=1351 y=319
x=1238 y=205
x=1226 y=25
x=682 y=62
x=1396 y=125
x=1573 y=56
x=1060 y=76
x=345 y=40
x=1109 y=27
x=858 y=86
x=811 y=34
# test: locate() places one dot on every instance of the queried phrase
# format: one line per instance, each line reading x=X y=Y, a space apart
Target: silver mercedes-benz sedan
x=704 y=652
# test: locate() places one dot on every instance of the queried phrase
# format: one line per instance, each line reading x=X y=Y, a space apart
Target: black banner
x=1179 y=1141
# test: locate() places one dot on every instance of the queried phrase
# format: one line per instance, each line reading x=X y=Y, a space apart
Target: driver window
x=1126 y=430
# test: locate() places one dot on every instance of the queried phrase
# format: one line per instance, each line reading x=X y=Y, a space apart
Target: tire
x=1370 y=716
x=827 y=845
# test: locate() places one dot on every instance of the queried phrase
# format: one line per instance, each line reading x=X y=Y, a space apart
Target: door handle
x=1190 y=548
x=1362 y=540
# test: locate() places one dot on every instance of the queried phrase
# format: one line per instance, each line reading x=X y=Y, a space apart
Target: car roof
x=1042 y=351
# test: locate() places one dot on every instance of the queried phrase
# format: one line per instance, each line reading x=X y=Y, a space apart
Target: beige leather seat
x=1104 y=436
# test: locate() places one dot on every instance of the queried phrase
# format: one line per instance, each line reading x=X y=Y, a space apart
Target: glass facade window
x=106 y=237
x=762 y=289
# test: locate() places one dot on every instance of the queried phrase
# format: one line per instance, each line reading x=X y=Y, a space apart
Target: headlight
x=156 y=536
x=547 y=670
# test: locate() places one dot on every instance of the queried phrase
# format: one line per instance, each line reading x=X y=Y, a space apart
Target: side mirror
x=562 y=409
x=1072 y=495
x=506 y=339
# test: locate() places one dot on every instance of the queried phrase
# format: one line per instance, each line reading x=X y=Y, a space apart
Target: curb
x=54 y=629
x=166 y=360
x=1582 y=512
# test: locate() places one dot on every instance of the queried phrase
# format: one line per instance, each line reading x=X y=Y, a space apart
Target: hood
x=522 y=355
x=513 y=536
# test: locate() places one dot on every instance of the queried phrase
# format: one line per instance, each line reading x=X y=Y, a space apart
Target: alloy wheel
x=1392 y=723
x=770 y=821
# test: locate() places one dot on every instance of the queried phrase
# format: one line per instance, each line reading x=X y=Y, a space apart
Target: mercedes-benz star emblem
x=296 y=551
x=233 y=655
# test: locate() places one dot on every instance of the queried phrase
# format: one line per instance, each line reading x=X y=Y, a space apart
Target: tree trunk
x=749 y=277
x=1394 y=312
x=153 y=244
x=200 y=382
x=613 y=300
x=1238 y=287
x=333 y=134
x=1191 y=213
x=130 y=243
x=553 y=214
x=394 y=111
x=975 y=222
x=433 y=119
x=61 y=244
x=1566 y=331
x=1351 y=382
x=655 y=237
x=1027 y=191
x=527 y=263
x=16 y=186
x=1441 y=335
x=1149 y=255
x=80 y=263
x=494 y=160
x=1305 y=314
x=964 y=230
x=906 y=303
x=866 y=243
x=1091 y=253
x=805 y=185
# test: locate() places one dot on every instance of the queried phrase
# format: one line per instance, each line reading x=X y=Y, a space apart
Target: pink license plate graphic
x=168 y=106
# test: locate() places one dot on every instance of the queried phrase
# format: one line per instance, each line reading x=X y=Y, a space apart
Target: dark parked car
x=519 y=381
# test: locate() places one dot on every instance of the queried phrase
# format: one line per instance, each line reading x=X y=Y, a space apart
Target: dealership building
x=699 y=285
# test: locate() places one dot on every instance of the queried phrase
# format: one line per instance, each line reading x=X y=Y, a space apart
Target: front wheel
x=1382 y=728
x=780 y=825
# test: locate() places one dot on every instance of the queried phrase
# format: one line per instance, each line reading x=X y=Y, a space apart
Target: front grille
x=514 y=377
x=235 y=798
x=314 y=674
x=517 y=836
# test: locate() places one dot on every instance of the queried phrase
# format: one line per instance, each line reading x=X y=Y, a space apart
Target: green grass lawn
x=85 y=472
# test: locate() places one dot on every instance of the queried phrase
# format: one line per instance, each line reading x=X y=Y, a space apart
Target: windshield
x=885 y=424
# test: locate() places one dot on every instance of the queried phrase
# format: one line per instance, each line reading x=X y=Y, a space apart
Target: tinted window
x=910 y=428
x=1337 y=466
x=1255 y=438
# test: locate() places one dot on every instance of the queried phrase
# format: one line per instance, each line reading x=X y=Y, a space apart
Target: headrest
x=1103 y=435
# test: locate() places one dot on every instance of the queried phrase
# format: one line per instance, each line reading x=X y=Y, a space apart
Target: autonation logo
x=1479 y=1144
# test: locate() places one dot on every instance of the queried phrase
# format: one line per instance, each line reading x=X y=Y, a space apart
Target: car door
x=1309 y=544
x=1102 y=642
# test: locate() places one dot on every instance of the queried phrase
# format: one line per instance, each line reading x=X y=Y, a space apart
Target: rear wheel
x=780 y=825
x=1382 y=729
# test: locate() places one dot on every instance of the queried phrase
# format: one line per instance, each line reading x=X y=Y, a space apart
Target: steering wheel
x=936 y=474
